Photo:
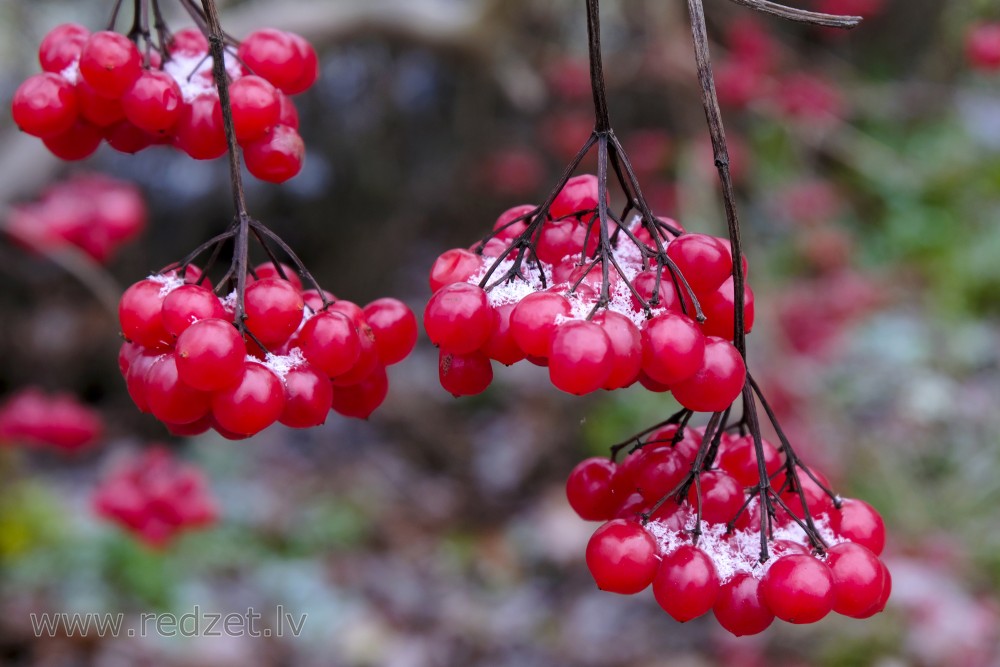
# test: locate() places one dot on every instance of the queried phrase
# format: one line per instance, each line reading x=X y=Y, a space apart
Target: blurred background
x=437 y=532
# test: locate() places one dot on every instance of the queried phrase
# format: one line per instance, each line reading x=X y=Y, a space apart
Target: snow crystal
x=168 y=282
x=738 y=553
x=72 y=72
x=193 y=73
x=280 y=364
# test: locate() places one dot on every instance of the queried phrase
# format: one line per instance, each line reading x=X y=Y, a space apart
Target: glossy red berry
x=169 y=398
x=275 y=56
x=256 y=107
x=368 y=360
x=858 y=579
x=578 y=195
x=705 y=261
x=454 y=266
x=110 y=63
x=622 y=557
x=140 y=314
x=738 y=457
x=580 y=358
x=62 y=46
x=673 y=348
x=187 y=304
x=210 y=355
x=330 y=341
x=45 y=105
x=154 y=102
x=464 y=374
x=76 y=143
x=97 y=110
x=589 y=489
x=686 y=585
x=661 y=472
x=360 y=400
x=458 y=318
x=513 y=222
x=718 y=381
x=739 y=609
x=718 y=308
x=533 y=321
x=274 y=310
x=501 y=346
x=721 y=497
x=276 y=156
x=860 y=523
x=626 y=348
x=255 y=402
x=308 y=396
x=798 y=589
x=395 y=328
x=199 y=131
x=309 y=72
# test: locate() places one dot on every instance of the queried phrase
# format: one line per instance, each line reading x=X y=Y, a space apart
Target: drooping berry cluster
x=95 y=213
x=822 y=551
x=155 y=497
x=35 y=418
x=187 y=363
x=590 y=305
x=99 y=86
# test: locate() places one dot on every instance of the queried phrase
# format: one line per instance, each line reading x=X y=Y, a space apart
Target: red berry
x=169 y=398
x=110 y=63
x=626 y=348
x=275 y=56
x=308 y=395
x=879 y=605
x=154 y=102
x=860 y=523
x=199 y=131
x=361 y=399
x=738 y=457
x=274 y=310
x=187 y=304
x=589 y=489
x=464 y=374
x=705 y=261
x=739 y=609
x=662 y=471
x=501 y=346
x=717 y=383
x=395 y=328
x=580 y=358
x=125 y=137
x=672 y=348
x=368 y=360
x=100 y=111
x=645 y=285
x=798 y=589
x=718 y=308
x=621 y=556
x=454 y=266
x=310 y=66
x=458 y=318
x=686 y=585
x=256 y=107
x=276 y=156
x=45 y=105
x=330 y=341
x=76 y=143
x=578 y=195
x=139 y=312
x=210 y=355
x=288 y=115
x=857 y=578
x=721 y=497
x=533 y=321
x=255 y=402
x=513 y=222
x=188 y=42
x=61 y=46
x=817 y=501
x=269 y=270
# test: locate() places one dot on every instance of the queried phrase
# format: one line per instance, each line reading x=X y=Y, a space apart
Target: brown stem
x=801 y=15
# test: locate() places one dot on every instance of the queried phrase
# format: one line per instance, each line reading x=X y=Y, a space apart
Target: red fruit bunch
x=95 y=213
x=982 y=46
x=155 y=497
x=803 y=580
x=59 y=421
x=96 y=86
x=553 y=315
x=305 y=353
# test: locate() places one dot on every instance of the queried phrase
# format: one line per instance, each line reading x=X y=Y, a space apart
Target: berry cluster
x=95 y=213
x=187 y=363
x=823 y=551
x=155 y=497
x=35 y=418
x=982 y=46
x=592 y=308
x=98 y=86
